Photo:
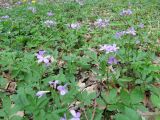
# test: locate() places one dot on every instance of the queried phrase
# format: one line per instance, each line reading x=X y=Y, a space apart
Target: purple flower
x=50 y=23
x=63 y=118
x=32 y=9
x=44 y=59
x=109 y=48
x=62 y=89
x=76 y=115
x=41 y=93
x=54 y=83
x=119 y=34
x=112 y=60
x=74 y=25
x=141 y=25
x=50 y=13
x=5 y=17
x=126 y=12
x=131 y=31
x=18 y=3
x=101 y=23
x=41 y=52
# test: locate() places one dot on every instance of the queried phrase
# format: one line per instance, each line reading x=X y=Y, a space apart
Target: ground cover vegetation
x=80 y=60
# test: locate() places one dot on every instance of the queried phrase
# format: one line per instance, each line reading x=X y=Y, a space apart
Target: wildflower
x=76 y=115
x=32 y=9
x=80 y=2
x=101 y=23
x=18 y=3
x=141 y=25
x=54 y=83
x=109 y=48
x=112 y=60
x=62 y=89
x=41 y=52
x=119 y=34
x=50 y=13
x=126 y=12
x=74 y=25
x=5 y=17
x=63 y=118
x=41 y=93
x=50 y=23
x=44 y=59
x=131 y=31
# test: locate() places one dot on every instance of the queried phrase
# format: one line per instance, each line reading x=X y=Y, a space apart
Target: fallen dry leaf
x=91 y=88
x=81 y=85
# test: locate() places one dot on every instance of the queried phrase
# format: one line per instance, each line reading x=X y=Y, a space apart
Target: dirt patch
x=4 y=3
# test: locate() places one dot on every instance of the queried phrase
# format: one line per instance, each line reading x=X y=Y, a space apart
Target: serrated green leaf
x=136 y=96
x=155 y=100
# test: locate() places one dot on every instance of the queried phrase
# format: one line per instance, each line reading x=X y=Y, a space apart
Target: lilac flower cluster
x=18 y=3
x=63 y=118
x=130 y=31
x=44 y=59
x=62 y=89
x=126 y=12
x=39 y=94
x=5 y=17
x=141 y=25
x=109 y=48
x=74 y=25
x=50 y=13
x=75 y=115
x=101 y=23
x=55 y=84
x=112 y=60
x=50 y=23
x=32 y=9
x=118 y=35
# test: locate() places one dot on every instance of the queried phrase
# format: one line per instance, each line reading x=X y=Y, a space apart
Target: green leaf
x=136 y=96
x=121 y=117
x=16 y=118
x=98 y=116
x=6 y=104
x=157 y=117
x=125 y=97
x=155 y=100
x=125 y=79
x=112 y=96
x=3 y=82
x=132 y=114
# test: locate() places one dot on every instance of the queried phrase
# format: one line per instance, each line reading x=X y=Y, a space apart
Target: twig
x=94 y=111
x=85 y=114
x=148 y=113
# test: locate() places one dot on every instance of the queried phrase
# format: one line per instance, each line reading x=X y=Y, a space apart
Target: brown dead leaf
x=81 y=85
x=60 y=63
x=91 y=88
x=147 y=101
x=6 y=75
x=157 y=61
x=11 y=87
